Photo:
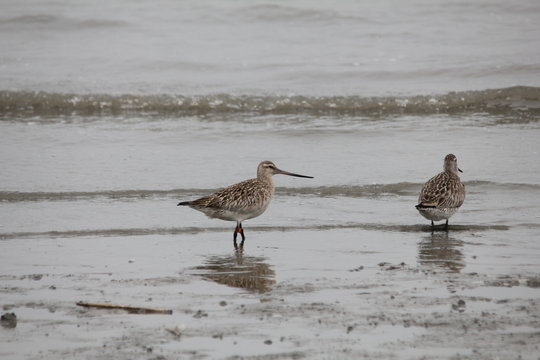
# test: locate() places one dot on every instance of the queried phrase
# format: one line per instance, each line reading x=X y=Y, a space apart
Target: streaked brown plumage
x=242 y=201
x=443 y=194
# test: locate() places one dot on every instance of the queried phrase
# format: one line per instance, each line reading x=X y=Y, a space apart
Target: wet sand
x=338 y=293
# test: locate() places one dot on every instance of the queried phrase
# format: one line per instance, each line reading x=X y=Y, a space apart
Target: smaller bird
x=443 y=194
x=242 y=201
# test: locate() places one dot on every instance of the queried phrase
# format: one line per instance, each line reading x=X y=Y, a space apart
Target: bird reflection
x=439 y=249
x=246 y=272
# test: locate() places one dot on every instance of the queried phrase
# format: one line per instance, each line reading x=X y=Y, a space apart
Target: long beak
x=460 y=170
x=278 y=171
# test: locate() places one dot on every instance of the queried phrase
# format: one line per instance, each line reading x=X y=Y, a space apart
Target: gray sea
x=111 y=112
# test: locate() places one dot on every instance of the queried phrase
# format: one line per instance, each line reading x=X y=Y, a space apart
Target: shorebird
x=242 y=201
x=443 y=194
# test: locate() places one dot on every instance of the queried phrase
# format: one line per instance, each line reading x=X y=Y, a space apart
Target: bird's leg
x=239 y=230
x=446 y=225
x=234 y=237
x=243 y=236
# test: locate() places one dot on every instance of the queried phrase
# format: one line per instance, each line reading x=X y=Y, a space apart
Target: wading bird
x=443 y=194
x=242 y=201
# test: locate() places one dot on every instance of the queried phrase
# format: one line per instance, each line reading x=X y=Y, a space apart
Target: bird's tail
x=184 y=203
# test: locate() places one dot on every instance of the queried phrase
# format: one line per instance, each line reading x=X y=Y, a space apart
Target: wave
x=353 y=191
x=197 y=230
x=38 y=22
x=520 y=100
x=281 y=13
x=17 y=196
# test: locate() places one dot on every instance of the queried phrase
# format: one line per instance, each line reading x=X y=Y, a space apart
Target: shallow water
x=100 y=140
x=89 y=213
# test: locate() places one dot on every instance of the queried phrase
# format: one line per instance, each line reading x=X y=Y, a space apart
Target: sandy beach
x=340 y=293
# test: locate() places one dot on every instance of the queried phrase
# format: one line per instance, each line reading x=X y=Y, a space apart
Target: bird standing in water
x=443 y=194
x=242 y=201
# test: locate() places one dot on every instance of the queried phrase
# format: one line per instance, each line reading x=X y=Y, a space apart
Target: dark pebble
x=9 y=320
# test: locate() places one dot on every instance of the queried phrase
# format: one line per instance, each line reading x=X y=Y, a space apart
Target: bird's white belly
x=437 y=214
x=234 y=215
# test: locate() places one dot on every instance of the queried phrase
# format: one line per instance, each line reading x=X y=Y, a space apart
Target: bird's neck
x=266 y=180
x=452 y=172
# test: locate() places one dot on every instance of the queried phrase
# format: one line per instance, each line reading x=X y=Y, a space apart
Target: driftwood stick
x=131 y=309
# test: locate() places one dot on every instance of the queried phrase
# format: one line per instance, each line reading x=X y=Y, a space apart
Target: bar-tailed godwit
x=443 y=194
x=242 y=201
